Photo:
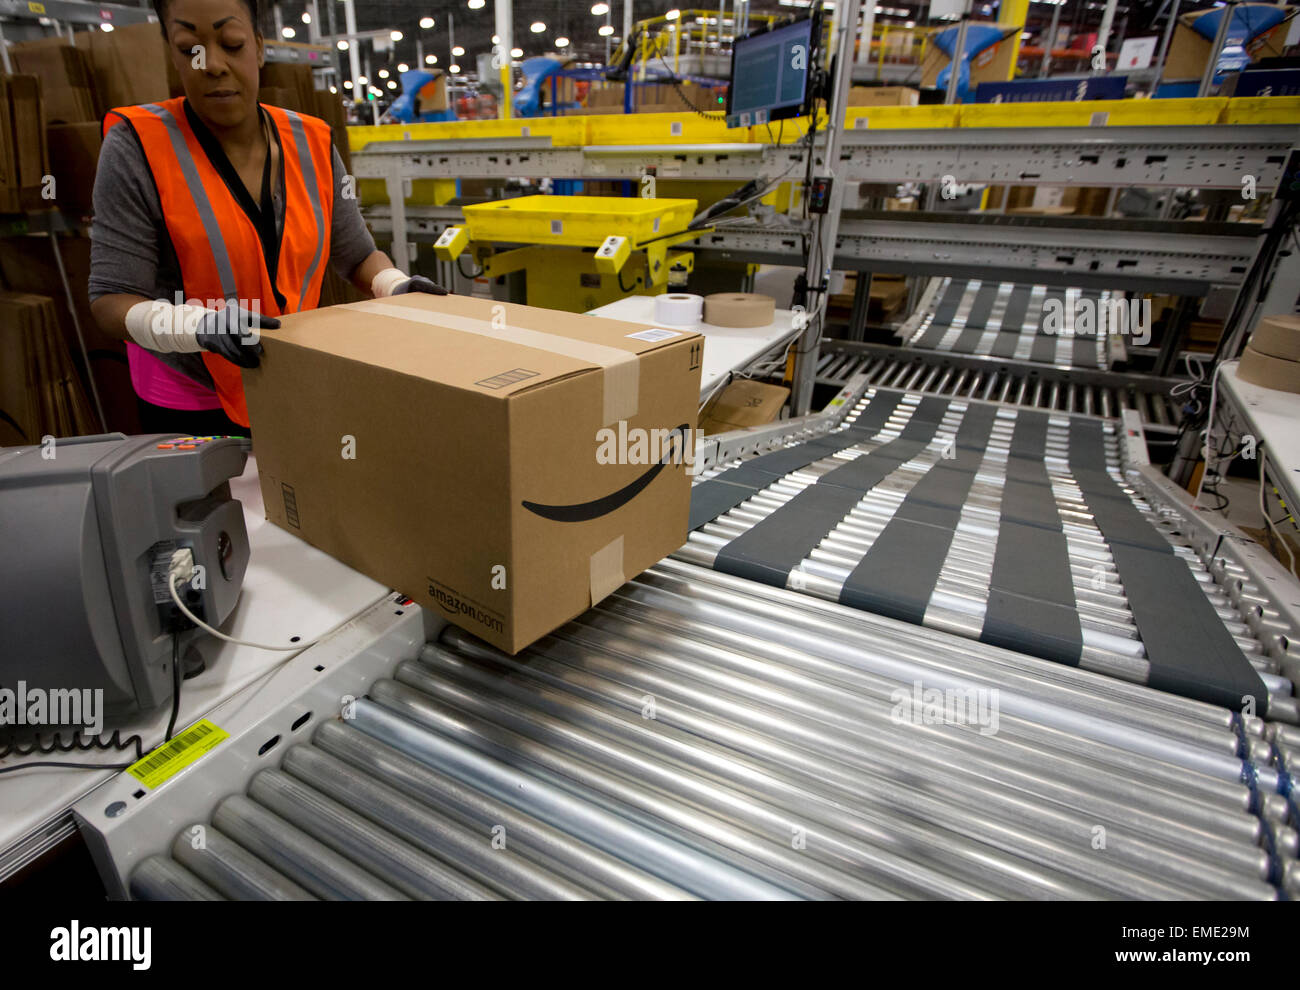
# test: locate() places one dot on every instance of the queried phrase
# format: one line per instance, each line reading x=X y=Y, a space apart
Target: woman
x=213 y=215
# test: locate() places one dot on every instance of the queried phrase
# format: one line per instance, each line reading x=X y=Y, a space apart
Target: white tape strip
x=622 y=368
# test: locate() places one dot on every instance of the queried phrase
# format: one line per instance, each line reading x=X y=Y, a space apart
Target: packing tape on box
x=679 y=308
x=739 y=309
x=622 y=368
x=607 y=570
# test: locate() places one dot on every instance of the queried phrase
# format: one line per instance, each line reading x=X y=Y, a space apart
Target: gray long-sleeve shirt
x=131 y=250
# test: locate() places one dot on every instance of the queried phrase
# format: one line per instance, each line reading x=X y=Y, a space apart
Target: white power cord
x=1263 y=508
x=181 y=568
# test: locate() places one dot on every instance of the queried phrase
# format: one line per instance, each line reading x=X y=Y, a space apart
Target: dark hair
x=160 y=8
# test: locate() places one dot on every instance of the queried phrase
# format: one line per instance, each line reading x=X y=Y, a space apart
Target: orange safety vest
x=217 y=246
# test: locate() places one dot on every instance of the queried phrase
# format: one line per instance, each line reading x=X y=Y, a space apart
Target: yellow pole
x=1015 y=13
x=677 y=44
x=880 y=62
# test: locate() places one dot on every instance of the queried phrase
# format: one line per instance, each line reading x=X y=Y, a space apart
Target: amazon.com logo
x=637 y=445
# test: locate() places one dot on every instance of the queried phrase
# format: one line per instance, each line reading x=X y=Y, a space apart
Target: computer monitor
x=769 y=74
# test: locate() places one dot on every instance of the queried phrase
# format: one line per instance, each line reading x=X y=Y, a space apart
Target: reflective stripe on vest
x=217 y=245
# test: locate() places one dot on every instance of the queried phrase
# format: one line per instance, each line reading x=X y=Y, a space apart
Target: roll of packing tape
x=679 y=308
x=739 y=309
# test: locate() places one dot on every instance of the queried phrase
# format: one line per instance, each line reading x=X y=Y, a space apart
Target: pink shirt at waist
x=163 y=386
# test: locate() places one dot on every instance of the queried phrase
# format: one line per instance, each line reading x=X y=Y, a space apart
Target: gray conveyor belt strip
x=1031 y=605
x=770 y=550
x=1188 y=648
x=1005 y=320
x=897 y=575
x=1031 y=591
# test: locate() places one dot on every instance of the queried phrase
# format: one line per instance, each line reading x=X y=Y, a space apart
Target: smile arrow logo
x=583 y=511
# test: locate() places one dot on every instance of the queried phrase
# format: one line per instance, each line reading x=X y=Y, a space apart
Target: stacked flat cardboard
x=29 y=262
x=1272 y=358
x=504 y=465
x=24 y=159
x=67 y=82
x=74 y=156
x=130 y=64
x=40 y=394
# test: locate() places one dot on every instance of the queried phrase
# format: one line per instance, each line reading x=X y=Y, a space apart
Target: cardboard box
x=67 y=83
x=1269 y=372
x=742 y=404
x=456 y=449
x=993 y=64
x=883 y=96
x=131 y=65
x=1189 y=50
x=1278 y=337
x=74 y=156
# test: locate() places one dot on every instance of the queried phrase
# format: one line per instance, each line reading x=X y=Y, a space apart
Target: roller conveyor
x=1007 y=320
x=1010 y=526
x=700 y=736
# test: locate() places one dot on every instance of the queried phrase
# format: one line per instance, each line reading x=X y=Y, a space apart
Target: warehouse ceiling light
x=496 y=39
x=516 y=53
x=431 y=60
x=306 y=17
x=458 y=51
x=392 y=84
x=383 y=73
x=426 y=22
x=288 y=32
x=600 y=9
x=673 y=14
x=396 y=35
x=363 y=80
x=105 y=26
x=343 y=45
x=403 y=67
x=561 y=42
x=334 y=89
x=347 y=83
x=606 y=30
x=537 y=27
x=475 y=4
x=453 y=69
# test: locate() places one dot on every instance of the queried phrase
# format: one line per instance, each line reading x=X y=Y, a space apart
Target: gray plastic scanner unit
x=86 y=524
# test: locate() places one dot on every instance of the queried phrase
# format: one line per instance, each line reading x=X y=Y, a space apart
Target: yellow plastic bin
x=576 y=220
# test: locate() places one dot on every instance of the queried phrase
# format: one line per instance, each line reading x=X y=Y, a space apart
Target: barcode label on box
x=654 y=334
x=507 y=378
x=171 y=758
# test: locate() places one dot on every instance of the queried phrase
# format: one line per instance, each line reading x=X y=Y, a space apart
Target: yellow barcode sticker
x=171 y=758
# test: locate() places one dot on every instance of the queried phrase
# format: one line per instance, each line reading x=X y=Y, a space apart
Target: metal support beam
x=819 y=267
x=505 y=16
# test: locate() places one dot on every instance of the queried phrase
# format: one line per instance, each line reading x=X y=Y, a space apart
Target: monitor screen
x=769 y=74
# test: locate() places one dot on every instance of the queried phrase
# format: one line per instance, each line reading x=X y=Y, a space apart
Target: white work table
x=726 y=349
x=1271 y=415
x=290 y=589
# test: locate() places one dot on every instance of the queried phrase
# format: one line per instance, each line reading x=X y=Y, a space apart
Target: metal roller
x=159 y=878
x=232 y=870
x=389 y=858
x=297 y=855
